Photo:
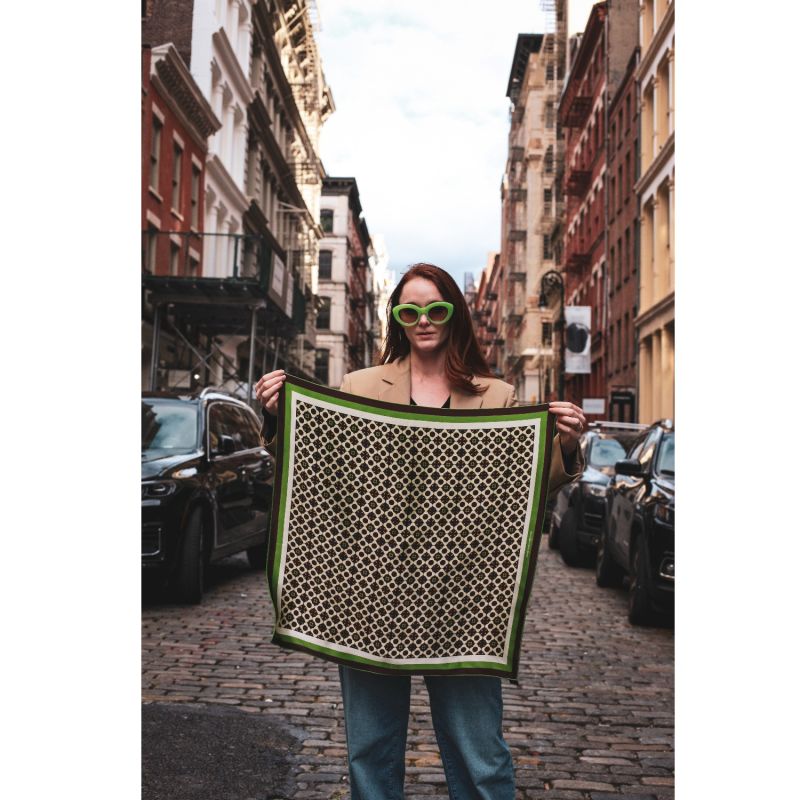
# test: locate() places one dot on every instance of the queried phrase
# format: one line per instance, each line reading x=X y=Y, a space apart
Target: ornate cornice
x=175 y=84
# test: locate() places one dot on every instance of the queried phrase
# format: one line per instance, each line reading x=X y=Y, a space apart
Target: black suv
x=638 y=539
x=579 y=508
x=206 y=486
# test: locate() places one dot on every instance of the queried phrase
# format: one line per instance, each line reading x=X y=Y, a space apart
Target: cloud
x=422 y=119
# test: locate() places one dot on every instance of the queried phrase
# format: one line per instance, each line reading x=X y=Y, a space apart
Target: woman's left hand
x=570 y=423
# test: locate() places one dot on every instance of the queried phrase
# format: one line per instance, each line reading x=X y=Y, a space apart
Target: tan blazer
x=391 y=383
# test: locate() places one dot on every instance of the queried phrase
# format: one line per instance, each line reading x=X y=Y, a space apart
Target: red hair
x=464 y=358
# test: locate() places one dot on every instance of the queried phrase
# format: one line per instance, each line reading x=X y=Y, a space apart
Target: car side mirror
x=629 y=466
x=226 y=445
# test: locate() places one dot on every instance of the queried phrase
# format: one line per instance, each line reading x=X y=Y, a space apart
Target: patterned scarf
x=404 y=538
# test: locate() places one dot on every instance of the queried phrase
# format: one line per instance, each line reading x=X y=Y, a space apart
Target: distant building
x=486 y=308
x=346 y=316
x=655 y=321
x=384 y=281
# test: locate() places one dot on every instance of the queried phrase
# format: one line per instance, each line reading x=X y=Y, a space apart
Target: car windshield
x=169 y=427
x=666 y=456
x=605 y=453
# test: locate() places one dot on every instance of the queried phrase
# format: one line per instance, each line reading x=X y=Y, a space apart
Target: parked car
x=638 y=539
x=579 y=507
x=206 y=486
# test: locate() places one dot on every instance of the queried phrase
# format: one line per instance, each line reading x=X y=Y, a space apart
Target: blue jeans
x=467 y=713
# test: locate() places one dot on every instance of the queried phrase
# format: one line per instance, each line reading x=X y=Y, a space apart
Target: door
x=231 y=483
x=628 y=491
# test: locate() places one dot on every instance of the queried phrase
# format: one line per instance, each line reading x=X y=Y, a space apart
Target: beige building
x=655 y=322
x=530 y=210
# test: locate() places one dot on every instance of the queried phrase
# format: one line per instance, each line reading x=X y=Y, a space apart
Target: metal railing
x=238 y=256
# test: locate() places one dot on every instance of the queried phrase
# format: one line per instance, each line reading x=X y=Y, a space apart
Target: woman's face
x=424 y=337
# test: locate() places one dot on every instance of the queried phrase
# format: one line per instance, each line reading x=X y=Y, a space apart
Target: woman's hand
x=570 y=423
x=267 y=390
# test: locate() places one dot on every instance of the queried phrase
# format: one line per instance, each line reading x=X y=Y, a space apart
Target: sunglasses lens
x=437 y=313
x=407 y=315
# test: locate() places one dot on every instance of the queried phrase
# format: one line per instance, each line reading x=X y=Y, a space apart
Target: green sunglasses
x=408 y=314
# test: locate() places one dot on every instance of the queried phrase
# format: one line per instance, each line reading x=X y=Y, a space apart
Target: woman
x=431 y=358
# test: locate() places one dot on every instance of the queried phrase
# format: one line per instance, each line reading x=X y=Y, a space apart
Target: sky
x=421 y=119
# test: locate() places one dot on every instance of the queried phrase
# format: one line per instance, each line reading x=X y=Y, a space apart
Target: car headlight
x=595 y=489
x=665 y=514
x=158 y=489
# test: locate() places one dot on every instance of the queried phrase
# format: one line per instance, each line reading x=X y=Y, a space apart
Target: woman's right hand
x=267 y=390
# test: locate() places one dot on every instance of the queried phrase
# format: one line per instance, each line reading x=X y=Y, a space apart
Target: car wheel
x=639 y=610
x=568 y=538
x=190 y=573
x=257 y=556
x=606 y=571
x=552 y=535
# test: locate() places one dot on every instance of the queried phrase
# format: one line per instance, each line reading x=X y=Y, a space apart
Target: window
x=326 y=220
x=177 y=167
x=155 y=152
x=248 y=430
x=619 y=270
x=549 y=116
x=547 y=333
x=612 y=266
x=325 y=259
x=548 y=159
x=549 y=73
x=547 y=249
x=629 y=183
x=174 y=258
x=224 y=420
x=628 y=112
x=195 y=197
x=613 y=192
x=152 y=248
x=628 y=253
x=626 y=348
x=548 y=196
x=322 y=366
x=324 y=314
x=620 y=185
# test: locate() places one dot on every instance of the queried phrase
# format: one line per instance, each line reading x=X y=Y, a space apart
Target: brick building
x=595 y=74
x=176 y=123
x=623 y=240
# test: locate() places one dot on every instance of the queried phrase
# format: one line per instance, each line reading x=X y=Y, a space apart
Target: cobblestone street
x=592 y=716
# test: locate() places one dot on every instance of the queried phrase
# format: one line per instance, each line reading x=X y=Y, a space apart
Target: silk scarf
x=404 y=538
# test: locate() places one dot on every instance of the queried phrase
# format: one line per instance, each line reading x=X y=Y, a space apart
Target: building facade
x=655 y=187
x=251 y=306
x=623 y=246
x=528 y=213
x=595 y=74
x=176 y=123
x=346 y=323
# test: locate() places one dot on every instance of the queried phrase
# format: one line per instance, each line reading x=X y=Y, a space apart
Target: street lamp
x=553 y=280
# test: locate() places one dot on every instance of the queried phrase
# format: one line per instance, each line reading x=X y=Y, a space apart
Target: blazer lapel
x=461 y=399
x=396 y=387
x=396 y=382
